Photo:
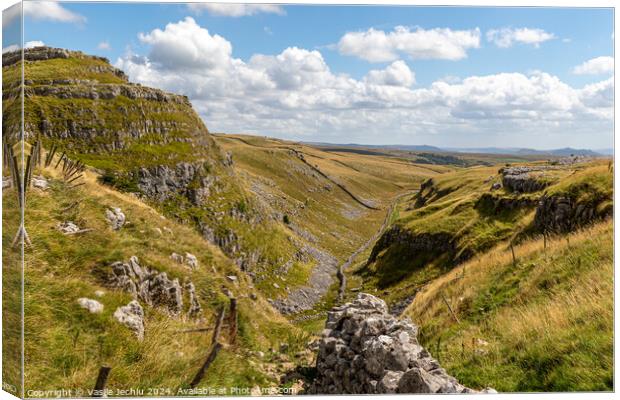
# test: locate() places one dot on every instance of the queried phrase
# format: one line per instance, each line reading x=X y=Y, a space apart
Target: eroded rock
x=365 y=350
x=91 y=305
x=115 y=218
x=149 y=285
x=132 y=316
x=40 y=182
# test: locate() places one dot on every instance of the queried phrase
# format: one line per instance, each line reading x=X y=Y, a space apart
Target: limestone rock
x=365 y=350
x=40 y=182
x=523 y=180
x=132 y=316
x=68 y=227
x=148 y=285
x=115 y=218
x=194 y=304
x=91 y=305
x=191 y=260
x=176 y=258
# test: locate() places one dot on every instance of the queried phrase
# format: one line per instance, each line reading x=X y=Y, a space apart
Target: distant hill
x=565 y=152
x=406 y=147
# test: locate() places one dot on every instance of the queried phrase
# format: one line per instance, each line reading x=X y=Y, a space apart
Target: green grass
x=460 y=208
x=65 y=345
x=548 y=320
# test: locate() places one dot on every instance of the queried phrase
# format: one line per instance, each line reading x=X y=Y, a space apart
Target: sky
x=445 y=76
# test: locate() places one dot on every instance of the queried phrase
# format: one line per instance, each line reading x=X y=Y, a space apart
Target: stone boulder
x=149 y=285
x=562 y=213
x=523 y=180
x=132 y=316
x=115 y=218
x=191 y=260
x=40 y=182
x=365 y=350
x=91 y=305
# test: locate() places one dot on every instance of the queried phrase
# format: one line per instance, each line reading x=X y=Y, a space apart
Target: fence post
x=102 y=378
x=232 y=321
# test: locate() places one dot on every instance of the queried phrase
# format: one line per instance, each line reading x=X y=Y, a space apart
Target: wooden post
x=210 y=358
x=218 y=326
x=232 y=321
x=450 y=309
x=102 y=378
x=514 y=258
x=62 y=156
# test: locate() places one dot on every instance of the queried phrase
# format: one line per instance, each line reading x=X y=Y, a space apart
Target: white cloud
x=105 y=45
x=51 y=11
x=33 y=43
x=186 y=45
x=27 y=45
x=11 y=14
x=295 y=94
x=396 y=74
x=596 y=66
x=235 y=10
x=9 y=48
x=507 y=37
x=438 y=43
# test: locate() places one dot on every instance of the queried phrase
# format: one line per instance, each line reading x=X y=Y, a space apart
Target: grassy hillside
x=542 y=324
x=306 y=190
x=153 y=144
x=66 y=345
x=458 y=215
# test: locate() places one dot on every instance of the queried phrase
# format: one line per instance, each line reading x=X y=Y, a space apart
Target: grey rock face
x=365 y=350
x=191 y=260
x=91 y=305
x=521 y=179
x=40 y=182
x=150 y=286
x=415 y=244
x=68 y=228
x=194 y=305
x=161 y=182
x=132 y=316
x=563 y=214
x=115 y=218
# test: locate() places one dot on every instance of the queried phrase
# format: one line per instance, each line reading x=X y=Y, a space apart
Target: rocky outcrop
x=414 y=243
x=428 y=193
x=116 y=218
x=497 y=204
x=161 y=182
x=365 y=350
x=563 y=213
x=93 y=306
x=522 y=180
x=71 y=89
x=132 y=316
x=35 y=54
x=305 y=298
x=150 y=286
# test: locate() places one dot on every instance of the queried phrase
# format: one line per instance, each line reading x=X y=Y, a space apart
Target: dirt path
x=341 y=271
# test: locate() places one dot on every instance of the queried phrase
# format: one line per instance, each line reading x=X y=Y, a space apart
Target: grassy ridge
x=544 y=324
x=316 y=205
x=65 y=345
x=459 y=208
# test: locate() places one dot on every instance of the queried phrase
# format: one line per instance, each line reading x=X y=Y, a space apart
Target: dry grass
x=65 y=345
x=548 y=320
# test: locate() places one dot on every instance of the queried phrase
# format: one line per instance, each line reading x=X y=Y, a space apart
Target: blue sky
x=560 y=39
